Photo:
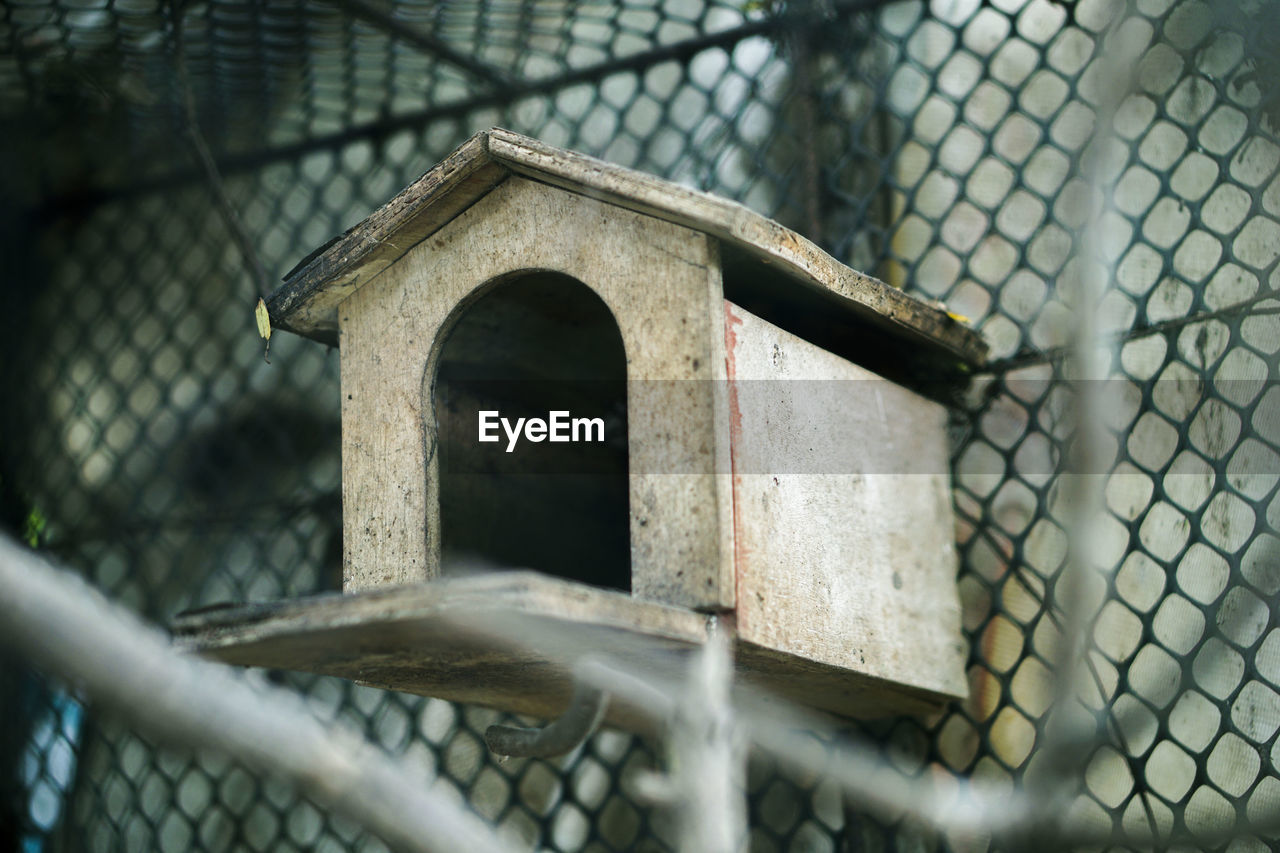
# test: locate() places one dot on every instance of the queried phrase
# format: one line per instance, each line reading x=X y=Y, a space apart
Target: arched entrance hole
x=534 y=347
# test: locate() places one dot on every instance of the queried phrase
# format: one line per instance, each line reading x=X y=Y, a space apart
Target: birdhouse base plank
x=510 y=640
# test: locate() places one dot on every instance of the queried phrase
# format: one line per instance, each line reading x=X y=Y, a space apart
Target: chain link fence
x=939 y=146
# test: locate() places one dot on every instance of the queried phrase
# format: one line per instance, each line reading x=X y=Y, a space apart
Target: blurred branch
x=381 y=129
x=426 y=42
x=209 y=166
x=1069 y=721
x=250 y=515
x=73 y=633
x=1011 y=818
x=707 y=779
x=810 y=742
x=70 y=630
x=709 y=728
x=640 y=692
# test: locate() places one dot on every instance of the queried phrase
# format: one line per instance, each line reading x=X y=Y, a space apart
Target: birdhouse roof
x=771 y=265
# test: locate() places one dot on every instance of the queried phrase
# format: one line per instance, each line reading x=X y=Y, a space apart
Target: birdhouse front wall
x=662 y=284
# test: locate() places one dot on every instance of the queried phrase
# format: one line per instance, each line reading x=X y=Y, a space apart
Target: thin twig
x=209 y=166
x=805 y=93
x=1054 y=354
x=243 y=516
x=72 y=632
x=564 y=734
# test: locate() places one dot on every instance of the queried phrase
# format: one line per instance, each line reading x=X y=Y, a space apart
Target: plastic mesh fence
x=938 y=146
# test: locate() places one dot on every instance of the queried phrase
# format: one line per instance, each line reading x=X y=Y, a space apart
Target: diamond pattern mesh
x=939 y=146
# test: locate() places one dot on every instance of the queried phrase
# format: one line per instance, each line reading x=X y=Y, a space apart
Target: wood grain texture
x=842 y=513
x=306 y=303
x=510 y=640
x=659 y=280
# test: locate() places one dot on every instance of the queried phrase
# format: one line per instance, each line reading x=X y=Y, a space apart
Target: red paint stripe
x=735 y=435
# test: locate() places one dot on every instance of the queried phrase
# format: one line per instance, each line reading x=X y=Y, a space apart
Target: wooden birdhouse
x=654 y=404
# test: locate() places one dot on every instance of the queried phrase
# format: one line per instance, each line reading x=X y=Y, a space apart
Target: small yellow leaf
x=959 y=318
x=264 y=320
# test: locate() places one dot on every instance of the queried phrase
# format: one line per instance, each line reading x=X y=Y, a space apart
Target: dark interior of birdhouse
x=525 y=347
x=828 y=321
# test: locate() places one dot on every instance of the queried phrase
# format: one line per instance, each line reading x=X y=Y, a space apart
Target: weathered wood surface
x=307 y=301
x=662 y=284
x=797 y=260
x=843 y=524
x=509 y=640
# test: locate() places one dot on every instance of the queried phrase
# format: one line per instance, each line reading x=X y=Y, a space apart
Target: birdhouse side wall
x=661 y=282
x=843 y=522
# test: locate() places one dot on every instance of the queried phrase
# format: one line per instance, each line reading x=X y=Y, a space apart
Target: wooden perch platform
x=509 y=640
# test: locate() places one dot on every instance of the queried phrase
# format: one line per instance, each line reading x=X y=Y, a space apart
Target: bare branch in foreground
x=72 y=632
x=707 y=755
x=811 y=742
x=1079 y=587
